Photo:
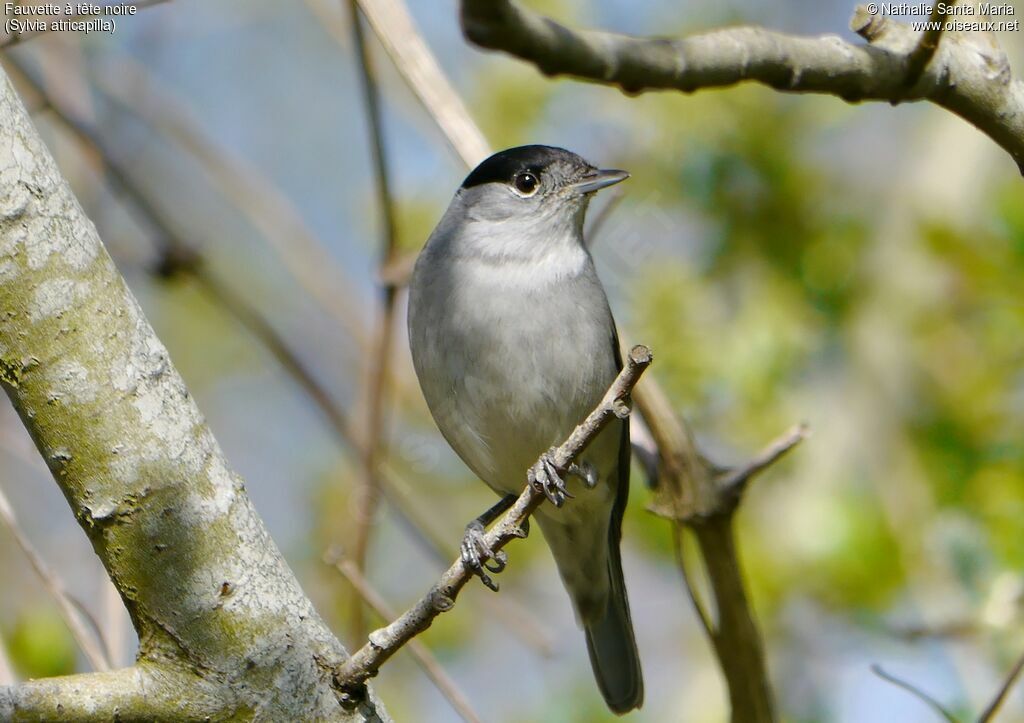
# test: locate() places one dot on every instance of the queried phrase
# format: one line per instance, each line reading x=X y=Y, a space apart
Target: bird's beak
x=597 y=180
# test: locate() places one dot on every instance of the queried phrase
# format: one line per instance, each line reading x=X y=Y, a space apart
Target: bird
x=514 y=343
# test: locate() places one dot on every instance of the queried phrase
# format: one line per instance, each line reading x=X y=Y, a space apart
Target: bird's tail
x=612 y=647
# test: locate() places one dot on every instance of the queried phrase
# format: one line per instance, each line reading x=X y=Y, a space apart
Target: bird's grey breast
x=511 y=354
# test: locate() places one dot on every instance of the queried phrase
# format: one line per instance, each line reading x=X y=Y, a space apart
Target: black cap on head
x=503 y=165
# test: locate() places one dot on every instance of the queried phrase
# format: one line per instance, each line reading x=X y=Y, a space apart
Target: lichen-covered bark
x=224 y=629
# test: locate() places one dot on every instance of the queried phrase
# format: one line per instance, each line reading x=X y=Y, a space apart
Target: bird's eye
x=526 y=183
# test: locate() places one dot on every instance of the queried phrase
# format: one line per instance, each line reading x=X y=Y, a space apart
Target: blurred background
x=787 y=259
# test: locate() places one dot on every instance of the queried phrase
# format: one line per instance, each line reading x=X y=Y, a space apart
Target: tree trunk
x=224 y=629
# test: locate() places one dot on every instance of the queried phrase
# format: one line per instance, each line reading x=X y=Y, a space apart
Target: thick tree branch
x=972 y=81
x=693 y=492
x=736 y=637
x=383 y=643
x=142 y=692
x=224 y=628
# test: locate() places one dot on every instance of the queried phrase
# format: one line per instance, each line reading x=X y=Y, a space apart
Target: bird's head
x=531 y=195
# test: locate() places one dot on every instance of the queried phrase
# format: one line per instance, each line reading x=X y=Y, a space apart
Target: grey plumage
x=514 y=343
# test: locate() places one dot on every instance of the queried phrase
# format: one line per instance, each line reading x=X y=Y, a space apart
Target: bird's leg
x=586 y=472
x=545 y=477
x=475 y=550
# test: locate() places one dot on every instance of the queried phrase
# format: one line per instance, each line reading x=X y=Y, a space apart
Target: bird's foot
x=546 y=478
x=586 y=472
x=478 y=557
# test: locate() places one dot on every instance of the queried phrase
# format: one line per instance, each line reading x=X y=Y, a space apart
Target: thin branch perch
x=383 y=643
x=428 y=663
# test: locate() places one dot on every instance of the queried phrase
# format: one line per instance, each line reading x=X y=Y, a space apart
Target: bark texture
x=225 y=631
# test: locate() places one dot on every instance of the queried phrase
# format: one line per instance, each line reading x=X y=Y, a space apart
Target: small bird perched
x=514 y=344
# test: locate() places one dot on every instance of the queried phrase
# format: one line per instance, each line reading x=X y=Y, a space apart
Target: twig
x=16 y=38
x=921 y=55
x=115 y=623
x=393 y=486
x=397 y=32
x=989 y=713
x=425 y=525
x=733 y=482
x=178 y=256
x=950 y=630
x=916 y=692
x=373 y=448
x=301 y=252
x=364 y=663
x=689 y=583
x=70 y=610
x=975 y=85
x=428 y=663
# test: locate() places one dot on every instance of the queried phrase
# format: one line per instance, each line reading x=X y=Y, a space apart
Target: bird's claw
x=479 y=558
x=545 y=477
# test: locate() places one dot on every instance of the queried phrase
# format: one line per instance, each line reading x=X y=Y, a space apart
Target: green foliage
x=510 y=101
x=40 y=644
x=775 y=295
x=842 y=554
x=968 y=349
